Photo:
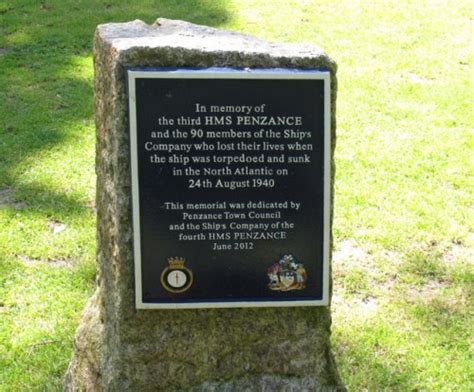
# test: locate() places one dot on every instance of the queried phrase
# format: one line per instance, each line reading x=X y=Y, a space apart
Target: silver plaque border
x=273 y=74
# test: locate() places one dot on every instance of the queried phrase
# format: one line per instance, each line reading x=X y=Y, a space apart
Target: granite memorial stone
x=214 y=191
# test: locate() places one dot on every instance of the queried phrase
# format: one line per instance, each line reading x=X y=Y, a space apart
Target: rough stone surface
x=118 y=348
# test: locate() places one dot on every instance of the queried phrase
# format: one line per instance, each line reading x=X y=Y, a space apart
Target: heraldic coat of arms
x=287 y=274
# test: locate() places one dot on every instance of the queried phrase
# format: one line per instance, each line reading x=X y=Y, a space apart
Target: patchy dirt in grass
x=6 y=200
x=365 y=282
x=414 y=78
x=361 y=307
x=458 y=252
x=352 y=263
x=90 y=204
x=347 y=258
x=56 y=263
x=425 y=292
x=356 y=281
x=56 y=227
x=348 y=251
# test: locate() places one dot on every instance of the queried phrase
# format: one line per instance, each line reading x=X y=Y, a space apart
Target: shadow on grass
x=41 y=89
x=51 y=203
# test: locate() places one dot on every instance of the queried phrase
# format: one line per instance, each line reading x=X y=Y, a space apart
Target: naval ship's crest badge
x=176 y=278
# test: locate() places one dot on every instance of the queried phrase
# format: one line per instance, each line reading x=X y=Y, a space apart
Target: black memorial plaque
x=230 y=184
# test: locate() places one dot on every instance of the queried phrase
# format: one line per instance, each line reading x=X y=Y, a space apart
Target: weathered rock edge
x=118 y=348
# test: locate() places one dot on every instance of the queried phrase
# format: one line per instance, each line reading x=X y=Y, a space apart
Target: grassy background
x=403 y=264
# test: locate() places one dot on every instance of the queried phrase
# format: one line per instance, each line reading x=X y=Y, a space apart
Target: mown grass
x=403 y=267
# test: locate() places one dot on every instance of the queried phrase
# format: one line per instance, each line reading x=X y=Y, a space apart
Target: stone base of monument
x=121 y=348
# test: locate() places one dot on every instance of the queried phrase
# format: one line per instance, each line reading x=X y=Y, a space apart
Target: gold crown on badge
x=176 y=262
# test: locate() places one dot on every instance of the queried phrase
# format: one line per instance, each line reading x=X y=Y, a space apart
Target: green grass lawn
x=404 y=238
